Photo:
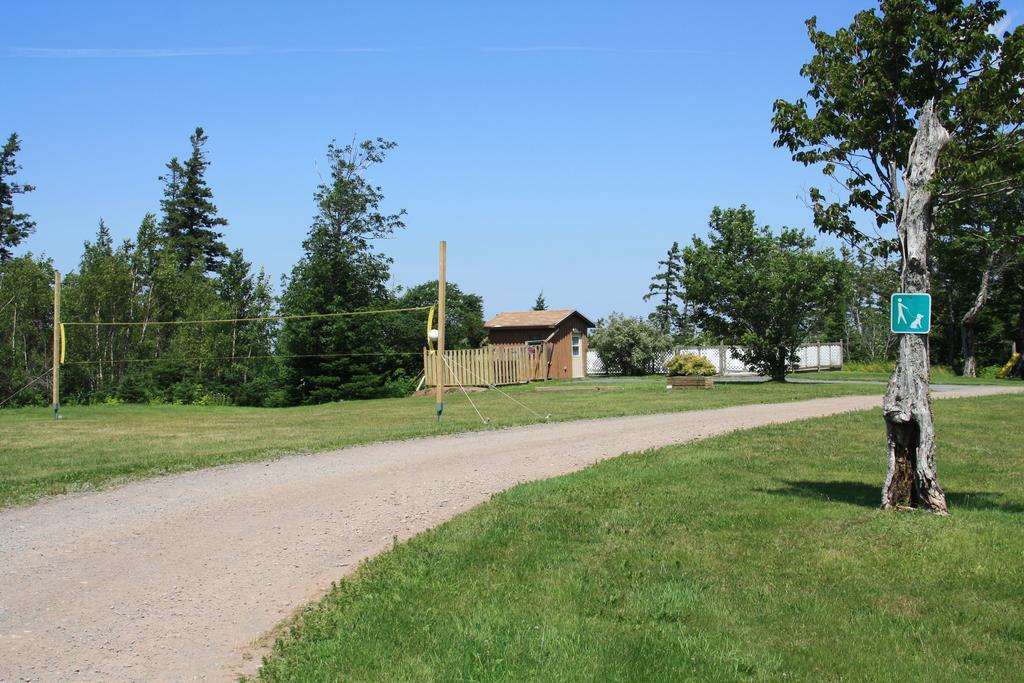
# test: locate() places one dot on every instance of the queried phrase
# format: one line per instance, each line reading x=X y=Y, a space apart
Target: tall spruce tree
x=190 y=218
x=340 y=271
x=14 y=226
x=667 y=289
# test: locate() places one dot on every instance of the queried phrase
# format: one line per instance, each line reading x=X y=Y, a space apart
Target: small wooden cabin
x=556 y=340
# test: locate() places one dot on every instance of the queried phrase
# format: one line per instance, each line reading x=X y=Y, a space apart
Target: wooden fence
x=491 y=365
x=538 y=358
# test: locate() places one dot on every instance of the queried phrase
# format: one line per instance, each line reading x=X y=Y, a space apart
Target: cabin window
x=575 y=344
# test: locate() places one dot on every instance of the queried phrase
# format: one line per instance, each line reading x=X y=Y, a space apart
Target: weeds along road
x=182 y=577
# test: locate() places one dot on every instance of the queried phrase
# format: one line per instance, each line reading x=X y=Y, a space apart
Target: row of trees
x=178 y=268
x=764 y=292
x=751 y=287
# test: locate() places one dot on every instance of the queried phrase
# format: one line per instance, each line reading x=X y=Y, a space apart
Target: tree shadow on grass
x=867 y=495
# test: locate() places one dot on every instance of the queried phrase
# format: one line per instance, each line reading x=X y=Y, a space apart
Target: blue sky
x=560 y=146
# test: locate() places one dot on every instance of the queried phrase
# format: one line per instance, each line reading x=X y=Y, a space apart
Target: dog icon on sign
x=915 y=324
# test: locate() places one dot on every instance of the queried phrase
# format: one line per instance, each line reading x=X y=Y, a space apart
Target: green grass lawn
x=100 y=445
x=756 y=555
x=880 y=372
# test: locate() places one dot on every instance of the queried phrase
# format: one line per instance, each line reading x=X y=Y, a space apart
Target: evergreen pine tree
x=540 y=304
x=190 y=216
x=667 y=288
x=333 y=358
x=14 y=227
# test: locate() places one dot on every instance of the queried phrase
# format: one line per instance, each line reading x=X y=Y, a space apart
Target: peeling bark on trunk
x=968 y=334
x=912 y=479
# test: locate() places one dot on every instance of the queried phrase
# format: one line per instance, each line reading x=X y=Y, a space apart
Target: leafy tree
x=540 y=304
x=26 y=329
x=871 y=280
x=976 y=241
x=341 y=358
x=14 y=227
x=760 y=291
x=464 y=315
x=101 y=290
x=190 y=219
x=667 y=289
x=249 y=374
x=899 y=90
x=631 y=346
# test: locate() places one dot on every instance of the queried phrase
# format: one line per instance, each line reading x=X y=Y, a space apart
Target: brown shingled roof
x=548 y=319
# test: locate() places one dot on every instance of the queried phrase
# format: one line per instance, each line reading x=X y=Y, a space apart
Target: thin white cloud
x=130 y=53
x=329 y=50
x=591 y=48
x=172 y=52
x=547 y=48
x=178 y=52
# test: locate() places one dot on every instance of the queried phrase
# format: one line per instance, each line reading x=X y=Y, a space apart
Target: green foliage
x=464 y=316
x=672 y=311
x=868 y=81
x=758 y=290
x=340 y=271
x=630 y=345
x=14 y=226
x=870 y=281
x=26 y=329
x=976 y=241
x=141 y=282
x=688 y=364
x=540 y=304
x=190 y=219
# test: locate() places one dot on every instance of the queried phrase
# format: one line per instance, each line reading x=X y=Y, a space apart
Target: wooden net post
x=439 y=360
x=56 y=345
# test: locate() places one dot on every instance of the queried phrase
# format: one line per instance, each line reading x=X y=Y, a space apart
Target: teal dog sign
x=910 y=313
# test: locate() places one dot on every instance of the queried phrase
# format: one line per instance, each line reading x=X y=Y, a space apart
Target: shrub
x=690 y=364
x=631 y=346
x=213 y=398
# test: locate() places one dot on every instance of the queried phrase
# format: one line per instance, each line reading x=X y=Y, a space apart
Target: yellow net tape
x=255 y=319
x=63 y=344
x=244 y=358
x=430 y=326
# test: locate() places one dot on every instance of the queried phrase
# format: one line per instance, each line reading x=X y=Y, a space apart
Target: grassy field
x=757 y=555
x=880 y=372
x=99 y=445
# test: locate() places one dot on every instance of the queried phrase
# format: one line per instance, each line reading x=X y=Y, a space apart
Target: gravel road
x=180 y=577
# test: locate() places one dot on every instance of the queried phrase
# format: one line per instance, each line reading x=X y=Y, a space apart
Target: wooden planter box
x=691 y=382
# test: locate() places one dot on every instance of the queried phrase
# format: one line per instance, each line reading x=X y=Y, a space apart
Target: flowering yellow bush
x=690 y=364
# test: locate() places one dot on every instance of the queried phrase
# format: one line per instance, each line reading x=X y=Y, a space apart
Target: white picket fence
x=823 y=356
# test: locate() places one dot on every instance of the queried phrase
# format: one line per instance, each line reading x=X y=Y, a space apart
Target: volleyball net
x=326 y=356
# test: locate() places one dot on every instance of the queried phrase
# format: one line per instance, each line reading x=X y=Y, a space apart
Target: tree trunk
x=1019 y=344
x=968 y=334
x=912 y=479
x=779 y=365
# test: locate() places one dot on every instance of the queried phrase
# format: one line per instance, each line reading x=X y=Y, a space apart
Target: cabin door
x=577 y=356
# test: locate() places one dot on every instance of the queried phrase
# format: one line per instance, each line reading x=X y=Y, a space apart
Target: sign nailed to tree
x=910 y=313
